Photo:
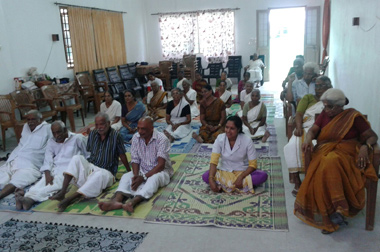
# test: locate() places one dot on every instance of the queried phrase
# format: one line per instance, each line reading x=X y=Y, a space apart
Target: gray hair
x=103 y=115
x=187 y=82
x=326 y=81
x=257 y=91
x=334 y=96
x=249 y=82
x=60 y=124
x=35 y=112
x=147 y=118
x=313 y=66
x=154 y=82
x=177 y=89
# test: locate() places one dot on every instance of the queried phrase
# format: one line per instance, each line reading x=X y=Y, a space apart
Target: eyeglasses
x=330 y=107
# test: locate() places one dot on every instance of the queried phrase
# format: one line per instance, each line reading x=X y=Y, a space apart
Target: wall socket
x=355 y=21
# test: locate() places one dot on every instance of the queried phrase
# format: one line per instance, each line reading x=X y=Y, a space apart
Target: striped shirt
x=105 y=154
x=146 y=155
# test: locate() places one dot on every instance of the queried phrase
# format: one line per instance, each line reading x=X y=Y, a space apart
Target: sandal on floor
x=295 y=192
x=338 y=219
x=325 y=232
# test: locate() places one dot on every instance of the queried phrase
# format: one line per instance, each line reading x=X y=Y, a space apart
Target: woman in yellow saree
x=156 y=102
x=334 y=184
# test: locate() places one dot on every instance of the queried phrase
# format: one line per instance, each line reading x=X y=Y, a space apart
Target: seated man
x=94 y=174
x=152 y=78
x=181 y=77
x=59 y=152
x=22 y=166
x=151 y=168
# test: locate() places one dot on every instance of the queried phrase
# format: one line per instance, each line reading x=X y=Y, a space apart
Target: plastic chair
x=215 y=70
x=234 y=66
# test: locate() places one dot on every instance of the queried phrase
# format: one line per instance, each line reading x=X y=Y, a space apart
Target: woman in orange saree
x=334 y=184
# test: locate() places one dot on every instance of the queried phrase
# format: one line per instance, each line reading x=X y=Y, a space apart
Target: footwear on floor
x=295 y=192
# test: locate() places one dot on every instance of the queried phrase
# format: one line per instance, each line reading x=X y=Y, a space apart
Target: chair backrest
x=132 y=69
x=174 y=70
x=99 y=75
x=7 y=105
x=113 y=75
x=125 y=73
x=215 y=69
x=199 y=64
x=23 y=97
x=234 y=65
x=165 y=66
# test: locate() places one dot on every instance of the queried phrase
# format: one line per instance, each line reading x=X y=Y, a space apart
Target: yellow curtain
x=97 y=39
x=82 y=39
x=109 y=38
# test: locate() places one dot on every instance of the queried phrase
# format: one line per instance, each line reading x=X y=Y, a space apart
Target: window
x=211 y=33
x=66 y=37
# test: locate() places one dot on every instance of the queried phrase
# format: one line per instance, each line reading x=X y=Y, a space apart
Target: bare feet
x=197 y=137
x=265 y=137
x=64 y=204
x=170 y=137
x=19 y=199
x=128 y=206
x=27 y=203
x=110 y=205
x=19 y=191
x=58 y=196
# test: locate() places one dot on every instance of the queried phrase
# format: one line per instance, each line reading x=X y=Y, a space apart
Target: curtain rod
x=197 y=11
x=86 y=7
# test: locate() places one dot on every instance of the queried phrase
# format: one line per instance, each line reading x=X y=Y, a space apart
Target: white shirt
x=59 y=155
x=300 y=88
x=179 y=83
x=157 y=80
x=114 y=110
x=237 y=158
x=192 y=96
x=150 y=95
x=30 y=151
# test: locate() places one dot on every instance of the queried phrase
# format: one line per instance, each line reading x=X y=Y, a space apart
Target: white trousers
x=90 y=179
x=147 y=189
x=181 y=132
x=41 y=192
x=22 y=177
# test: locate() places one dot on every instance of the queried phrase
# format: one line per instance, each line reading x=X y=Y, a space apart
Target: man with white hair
x=97 y=172
x=298 y=88
x=22 y=166
x=59 y=152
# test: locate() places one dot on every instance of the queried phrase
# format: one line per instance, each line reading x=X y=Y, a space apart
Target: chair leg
x=85 y=102
x=70 y=115
x=63 y=116
x=81 y=113
x=371 y=187
x=3 y=136
x=18 y=131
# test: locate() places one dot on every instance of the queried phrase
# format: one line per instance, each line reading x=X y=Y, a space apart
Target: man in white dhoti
x=151 y=167
x=22 y=166
x=94 y=174
x=59 y=151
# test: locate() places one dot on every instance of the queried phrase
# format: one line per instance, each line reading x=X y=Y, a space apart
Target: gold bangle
x=369 y=146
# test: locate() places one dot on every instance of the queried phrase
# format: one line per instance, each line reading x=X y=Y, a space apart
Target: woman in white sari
x=225 y=95
x=178 y=117
x=255 y=68
x=254 y=117
x=113 y=109
x=307 y=108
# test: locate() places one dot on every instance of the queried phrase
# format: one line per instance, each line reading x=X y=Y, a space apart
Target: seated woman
x=198 y=84
x=213 y=116
x=225 y=96
x=156 y=102
x=245 y=95
x=255 y=117
x=152 y=78
x=233 y=164
x=223 y=77
x=113 y=109
x=241 y=86
x=131 y=113
x=334 y=184
x=190 y=96
x=178 y=117
x=308 y=107
x=255 y=68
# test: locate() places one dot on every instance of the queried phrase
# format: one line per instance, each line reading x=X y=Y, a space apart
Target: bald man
x=151 y=168
x=59 y=152
x=22 y=166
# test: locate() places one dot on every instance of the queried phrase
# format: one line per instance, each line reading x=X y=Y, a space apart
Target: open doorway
x=287 y=33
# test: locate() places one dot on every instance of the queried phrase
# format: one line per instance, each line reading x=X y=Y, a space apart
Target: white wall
x=245 y=19
x=354 y=54
x=25 y=36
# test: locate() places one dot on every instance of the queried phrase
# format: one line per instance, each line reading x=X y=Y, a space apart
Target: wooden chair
x=371 y=186
x=25 y=102
x=88 y=92
x=8 y=117
x=61 y=103
x=190 y=66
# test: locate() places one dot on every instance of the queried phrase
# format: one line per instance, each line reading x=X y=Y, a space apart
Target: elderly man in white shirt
x=190 y=95
x=59 y=152
x=22 y=166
